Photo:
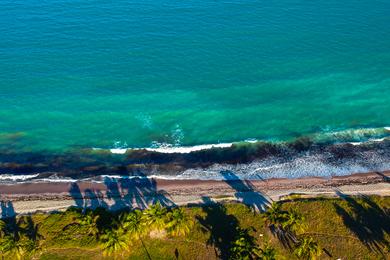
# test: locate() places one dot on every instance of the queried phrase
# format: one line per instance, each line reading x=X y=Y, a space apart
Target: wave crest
x=353 y=136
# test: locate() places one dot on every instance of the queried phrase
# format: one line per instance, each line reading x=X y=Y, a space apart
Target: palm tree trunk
x=147 y=253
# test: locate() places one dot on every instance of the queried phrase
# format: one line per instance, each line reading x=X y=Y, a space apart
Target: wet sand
x=32 y=197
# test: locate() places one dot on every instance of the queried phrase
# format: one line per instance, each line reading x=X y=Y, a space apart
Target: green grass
x=339 y=236
x=338 y=226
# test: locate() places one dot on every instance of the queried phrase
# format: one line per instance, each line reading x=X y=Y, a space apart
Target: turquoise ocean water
x=143 y=73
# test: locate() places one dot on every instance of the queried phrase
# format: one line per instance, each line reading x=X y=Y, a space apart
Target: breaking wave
x=353 y=136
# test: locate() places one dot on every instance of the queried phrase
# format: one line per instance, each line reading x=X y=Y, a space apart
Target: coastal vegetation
x=297 y=228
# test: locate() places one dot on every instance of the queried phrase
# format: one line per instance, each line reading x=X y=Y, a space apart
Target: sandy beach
x=32 y=197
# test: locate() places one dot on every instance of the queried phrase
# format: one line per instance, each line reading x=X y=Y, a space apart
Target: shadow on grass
x=29 y=228
x=367 y=220
x=19 y=235
x=222 y=227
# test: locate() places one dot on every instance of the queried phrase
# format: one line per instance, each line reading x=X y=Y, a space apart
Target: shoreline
x=45 y=197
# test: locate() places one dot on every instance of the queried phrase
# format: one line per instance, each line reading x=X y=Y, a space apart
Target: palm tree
x=18 y=238
x=156 y=216
x=307 y=248
x=7 y=245
x=133 y=224
x=290 y=220
x=90 y=221
x=18 y=245
x=3 y=226
x=274 y=216
x=11 y=245
x=285 y=224
x=178 y=222
x=268 y=253
x=244 y=247
x=113 y=241
x=293 y=222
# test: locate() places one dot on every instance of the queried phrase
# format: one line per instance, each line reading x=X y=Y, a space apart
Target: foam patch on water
x=146 y=120
x=353 y=135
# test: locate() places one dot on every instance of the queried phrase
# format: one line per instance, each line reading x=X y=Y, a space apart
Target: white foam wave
x=118 y=150
x=356 y=143
x=54 y=180
x=97 y=179
x=368 y=141
x=11 y=177
x=188 y=149
x=352 y=136
x=101 y=178
x=166 y=148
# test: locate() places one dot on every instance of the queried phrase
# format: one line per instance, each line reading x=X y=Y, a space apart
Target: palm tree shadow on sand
x=246 y=192
x=7 y=210
x=121 y=193
x=367 y=220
